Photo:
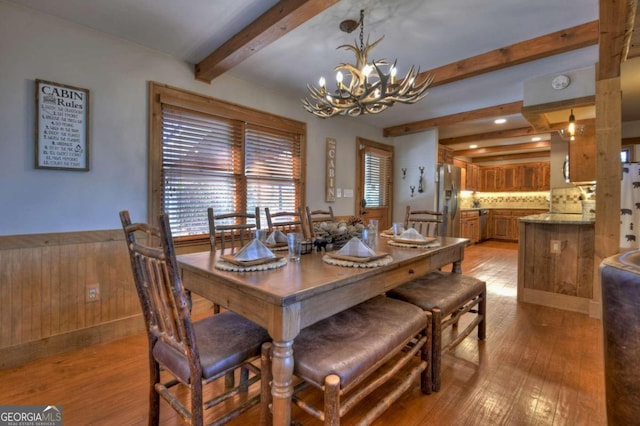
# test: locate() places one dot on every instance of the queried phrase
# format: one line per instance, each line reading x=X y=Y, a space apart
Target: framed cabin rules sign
x=62 y=127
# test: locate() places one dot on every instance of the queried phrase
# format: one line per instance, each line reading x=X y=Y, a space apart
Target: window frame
x=161 y=94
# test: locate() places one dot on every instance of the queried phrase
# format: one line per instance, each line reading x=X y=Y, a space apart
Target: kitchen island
x=556 y=261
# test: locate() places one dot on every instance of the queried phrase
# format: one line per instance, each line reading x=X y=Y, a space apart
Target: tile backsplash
x=506 y=200
x=566 y=200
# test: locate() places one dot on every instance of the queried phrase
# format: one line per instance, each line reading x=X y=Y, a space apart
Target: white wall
x=412 y=152
x=117 y=72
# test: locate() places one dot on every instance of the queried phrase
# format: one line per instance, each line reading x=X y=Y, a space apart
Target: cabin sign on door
x=330 y=175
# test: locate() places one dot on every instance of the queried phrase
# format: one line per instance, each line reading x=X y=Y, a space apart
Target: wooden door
x=374 y=191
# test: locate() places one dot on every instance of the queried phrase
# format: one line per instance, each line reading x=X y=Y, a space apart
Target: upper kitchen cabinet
x=515 y=177
x=473 y=180
x=535 y=176
x=445 y=154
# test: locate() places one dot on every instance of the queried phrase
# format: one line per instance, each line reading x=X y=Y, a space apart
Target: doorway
x=374 y=174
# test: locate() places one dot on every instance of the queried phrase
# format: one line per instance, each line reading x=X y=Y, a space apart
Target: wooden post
x=608 y=173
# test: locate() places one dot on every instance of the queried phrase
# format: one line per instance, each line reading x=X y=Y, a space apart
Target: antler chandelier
x=366 y=88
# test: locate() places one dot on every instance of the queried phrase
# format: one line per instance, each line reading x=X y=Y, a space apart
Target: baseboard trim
x=14 y=356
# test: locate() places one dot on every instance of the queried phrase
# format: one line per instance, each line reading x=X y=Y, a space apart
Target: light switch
x=556 y=246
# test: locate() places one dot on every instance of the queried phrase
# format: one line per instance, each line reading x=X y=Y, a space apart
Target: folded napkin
x=356 y=248
x=253 y=250
x=276 y=236
x=411 y=235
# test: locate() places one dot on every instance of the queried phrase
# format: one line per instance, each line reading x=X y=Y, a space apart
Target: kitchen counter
x=557 y=218
x=556 y=262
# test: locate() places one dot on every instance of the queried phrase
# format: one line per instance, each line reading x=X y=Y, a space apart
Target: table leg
x=457 y=267
x=282 y=384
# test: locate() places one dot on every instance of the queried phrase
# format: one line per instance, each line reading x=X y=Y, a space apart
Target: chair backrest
x=427 y=222
x=162 y=297
x=317 y=216
x=232 y=230
x=285 y=221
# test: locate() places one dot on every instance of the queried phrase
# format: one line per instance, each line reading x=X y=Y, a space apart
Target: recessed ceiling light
x=536 y=138
x=473 y=146
x=500 y=120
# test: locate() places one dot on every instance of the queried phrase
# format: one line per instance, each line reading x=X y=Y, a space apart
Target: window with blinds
x=227 y=164
x=377 y=173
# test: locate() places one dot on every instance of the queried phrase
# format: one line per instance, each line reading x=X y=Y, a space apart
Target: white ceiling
x=425 y=33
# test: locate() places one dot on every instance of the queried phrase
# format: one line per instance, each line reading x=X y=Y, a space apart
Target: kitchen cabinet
x=503 y=223
x=515 y=177
x=445 y=154
x=473 y=177
x=470 y=225
x=470 y=175
x=508 y=178
x=489 y=179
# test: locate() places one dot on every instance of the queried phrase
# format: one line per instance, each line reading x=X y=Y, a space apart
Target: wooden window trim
x=160 y=94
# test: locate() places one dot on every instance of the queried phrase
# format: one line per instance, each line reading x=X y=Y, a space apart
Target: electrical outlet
x=556 y=246
x=92 y=293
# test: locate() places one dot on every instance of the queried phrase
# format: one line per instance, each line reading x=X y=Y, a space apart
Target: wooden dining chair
x=427 y=222
x=448 y=296
x=232 y=230
x=285 y=221
x=351 y=354
x=192 y=354
x=318 y=216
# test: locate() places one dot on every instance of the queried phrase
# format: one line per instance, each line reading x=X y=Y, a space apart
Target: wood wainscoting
x=43 y=286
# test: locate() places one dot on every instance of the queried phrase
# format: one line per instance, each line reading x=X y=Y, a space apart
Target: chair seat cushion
x=350 y=342
x=446 y=291
x=223 y=340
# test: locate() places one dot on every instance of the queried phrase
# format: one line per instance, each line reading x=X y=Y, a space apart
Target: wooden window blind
x=208 y=153
x=377 y=173
x=272 y=169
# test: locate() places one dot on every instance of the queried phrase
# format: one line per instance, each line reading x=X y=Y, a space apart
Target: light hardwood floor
x=538 y=366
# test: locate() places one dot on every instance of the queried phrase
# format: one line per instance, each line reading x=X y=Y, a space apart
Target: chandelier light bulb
x=339 y=79
x=393 y=72
x=322 y=82
x=367 y=70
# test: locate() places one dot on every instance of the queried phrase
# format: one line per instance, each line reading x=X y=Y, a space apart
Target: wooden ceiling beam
x=509 y=157
x=500 y=134
x=488 y=112
x=616 y=27
x=270 y=26
x=478 y=152
x=529 y=50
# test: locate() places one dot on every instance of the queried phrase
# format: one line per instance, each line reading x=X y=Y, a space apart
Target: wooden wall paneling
x=545 y=263
x=585 y=278
x=43 y=282
x=565 y=270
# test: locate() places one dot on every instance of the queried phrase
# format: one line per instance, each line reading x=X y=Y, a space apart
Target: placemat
x=422 y=246
x=349 y=264
x=223 y=265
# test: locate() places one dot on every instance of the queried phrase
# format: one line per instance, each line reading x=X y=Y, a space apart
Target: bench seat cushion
x=444 y=290
x=351 y=342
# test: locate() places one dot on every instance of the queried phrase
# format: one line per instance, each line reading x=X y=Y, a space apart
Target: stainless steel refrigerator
x=448 y=198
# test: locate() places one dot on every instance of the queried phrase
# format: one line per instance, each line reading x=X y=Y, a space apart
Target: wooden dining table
x=287 y=299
